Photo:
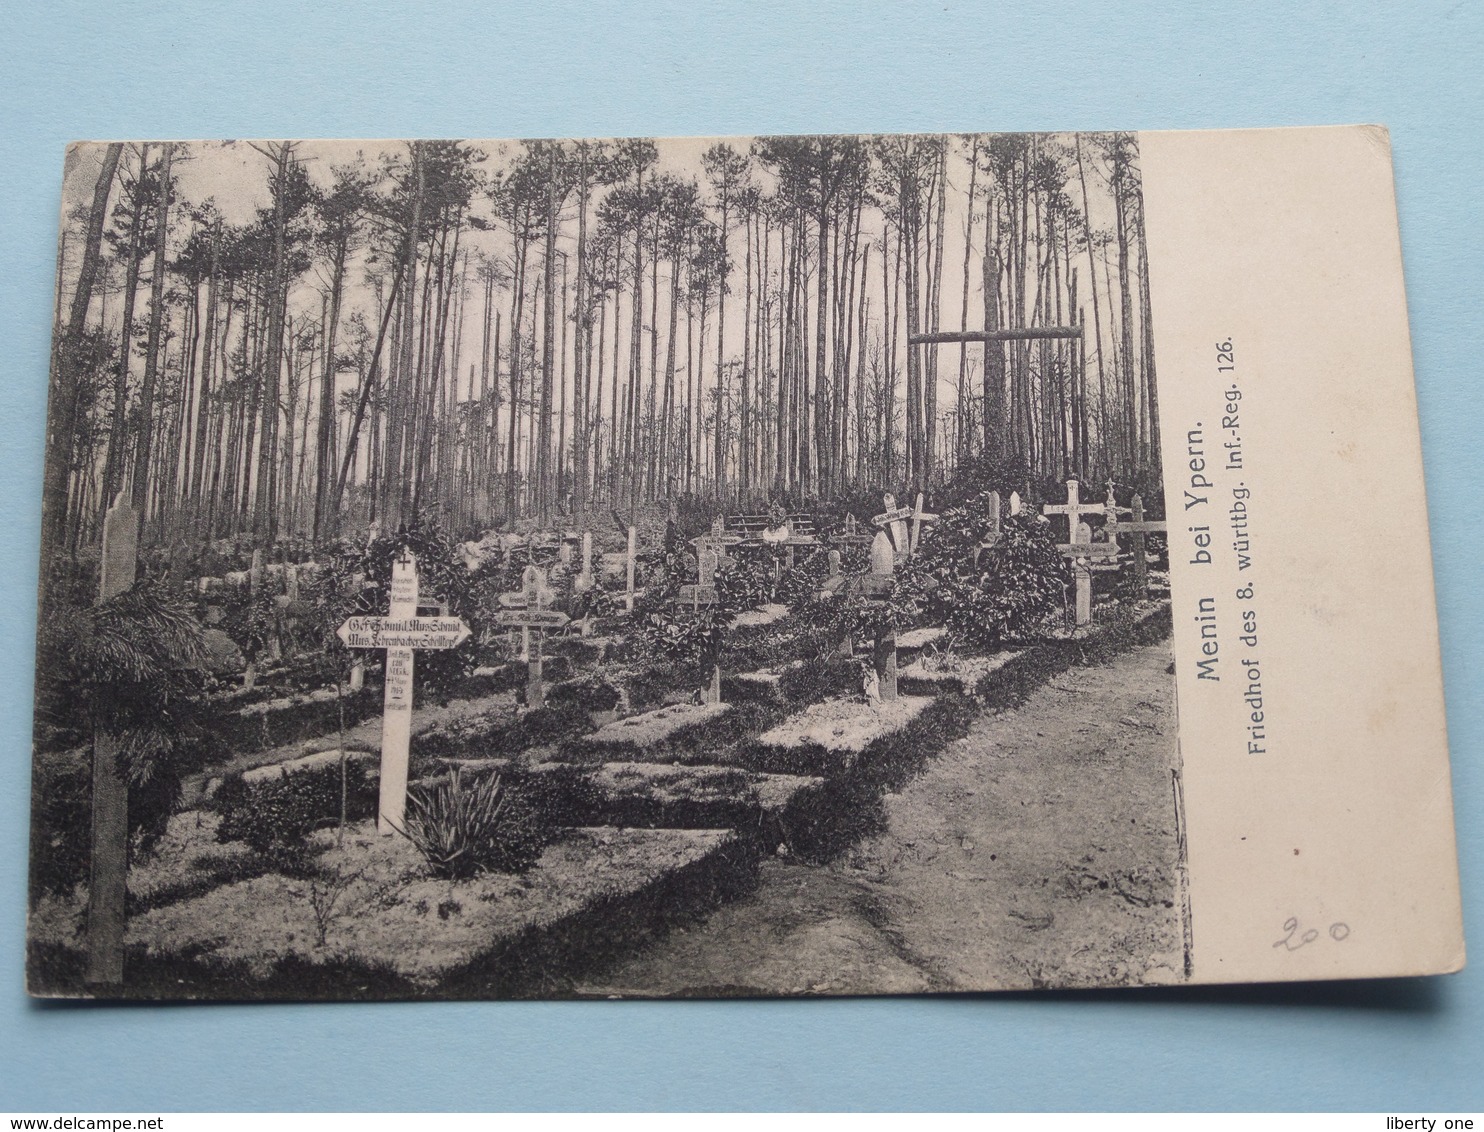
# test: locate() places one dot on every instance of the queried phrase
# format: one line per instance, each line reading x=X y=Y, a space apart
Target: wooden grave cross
x=874 y=588
x=919 y=517
x=585 y=582
x=401 y=633
x=1087 y=556
x=1137 y=529
x=631 y=556
x=718 y=539
x=793 y=540
x=894 y=519
x=991 y=536
x=1073 y=509
x=693 y=598
x=526 y=610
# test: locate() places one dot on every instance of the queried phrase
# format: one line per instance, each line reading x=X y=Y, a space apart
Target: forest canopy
x=291 y=340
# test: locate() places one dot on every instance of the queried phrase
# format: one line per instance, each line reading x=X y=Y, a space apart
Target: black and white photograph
x=594 y=569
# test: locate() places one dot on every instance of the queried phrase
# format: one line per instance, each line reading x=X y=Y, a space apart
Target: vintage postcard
x=753 y=566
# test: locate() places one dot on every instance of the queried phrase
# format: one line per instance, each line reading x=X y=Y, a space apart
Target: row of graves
x=519 y=848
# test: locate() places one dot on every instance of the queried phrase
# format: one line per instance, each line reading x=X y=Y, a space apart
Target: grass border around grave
x=539 y=961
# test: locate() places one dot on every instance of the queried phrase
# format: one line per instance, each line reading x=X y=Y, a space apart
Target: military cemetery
x=523 y=603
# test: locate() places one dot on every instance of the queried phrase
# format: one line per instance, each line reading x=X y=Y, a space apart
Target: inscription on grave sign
x=411 y=632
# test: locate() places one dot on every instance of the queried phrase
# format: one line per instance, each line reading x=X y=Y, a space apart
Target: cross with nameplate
x=401 y=632
x=526 y=610
x=1073 y=509
x=894 y=520
x=1087 y=556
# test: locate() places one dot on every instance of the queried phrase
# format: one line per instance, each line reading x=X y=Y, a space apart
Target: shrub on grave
x=800 y=585
x=984 y=597
x=685 y=638
x=463 y=827
x=132 y=667
x=276 y=815
x=742 y=585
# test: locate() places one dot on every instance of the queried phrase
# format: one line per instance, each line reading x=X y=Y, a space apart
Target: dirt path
x=1038 y=850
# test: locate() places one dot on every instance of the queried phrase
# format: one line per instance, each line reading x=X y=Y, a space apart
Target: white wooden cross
x=1073 y=509
x=919 y=517
x=894 y=519
x=526 y=610
x=401 y=632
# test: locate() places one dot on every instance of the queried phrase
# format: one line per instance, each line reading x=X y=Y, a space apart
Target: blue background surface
x=273 y=68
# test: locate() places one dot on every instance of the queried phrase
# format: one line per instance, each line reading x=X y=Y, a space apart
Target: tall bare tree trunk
x=62 y=417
